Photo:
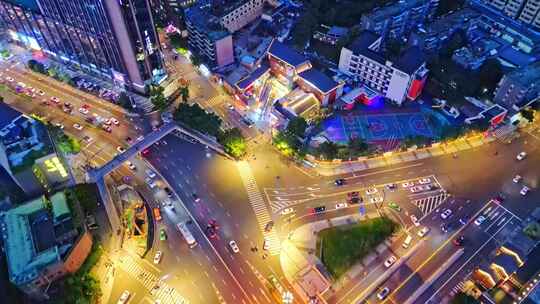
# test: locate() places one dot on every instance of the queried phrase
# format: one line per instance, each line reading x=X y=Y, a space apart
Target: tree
x=233 y=142
x=480 y=125
x=358 y=146
x=197 y=118
x=297 y=126
x=184 y=92
x=532 y=230
x=528 y=114
x=124 y=102
x=195 y=59
x=304 y=29
x=488 y=76
x=446 y=6
x=456 y=41
x=328 y=150
x=158 y=99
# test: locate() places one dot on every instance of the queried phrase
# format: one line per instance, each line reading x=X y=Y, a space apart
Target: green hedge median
x=342 y=247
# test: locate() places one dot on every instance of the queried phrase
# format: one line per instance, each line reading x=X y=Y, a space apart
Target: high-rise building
x=116 y=39
x=397 y=20
x=526 y=11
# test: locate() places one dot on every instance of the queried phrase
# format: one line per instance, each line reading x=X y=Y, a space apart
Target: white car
x=114 y=121
x=150 y=173
x=59 y=125
x=415 y=189
x=341 y=205
x=107 y=121
x=130 y=165
x=120 y=149
x=390 y=261
x=521 y=155
x=287 y=211
x=55 y=100
x=83 y=111
x=422 y=232
x=124 y=297
x=383 y=293
x=446 y=214
x=78 y=126
x=479 y=220
x=376 y=199
x=415 y=221
x=150 y=182
x=40 y=93
x=424 y=181
x=517 y=178
x=234 y=247
x=524 y=190
x=407 y=184
x=157 y=257
x=371 y=191
x=10 y=79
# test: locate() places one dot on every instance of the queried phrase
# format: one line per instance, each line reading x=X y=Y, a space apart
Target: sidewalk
x=338 y=167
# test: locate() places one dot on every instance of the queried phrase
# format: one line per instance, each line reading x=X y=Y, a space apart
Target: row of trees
x=291 y=140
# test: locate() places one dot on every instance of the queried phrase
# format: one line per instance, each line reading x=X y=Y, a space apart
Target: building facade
x=397 y=81
x=208 y=39
x=525 y=11
x=112 y=39
x=397 y=20
x=234 y=16
x=519 y=87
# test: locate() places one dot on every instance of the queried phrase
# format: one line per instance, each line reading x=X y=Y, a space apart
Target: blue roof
x=515 y=57
x=319 y=80
x=248 y=80
x=411 y=60
x=7 y=115
x=286 y=53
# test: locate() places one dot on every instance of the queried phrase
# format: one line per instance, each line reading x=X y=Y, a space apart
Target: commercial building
x=519 y=88
x=397 y=20
x=207 y=37
x=525 y=11
x=396 y=81
x=42 y=243
x=112 y=39
x=236 y=14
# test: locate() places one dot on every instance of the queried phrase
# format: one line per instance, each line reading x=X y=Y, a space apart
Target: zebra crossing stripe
x=259 y=207
x=427 y=204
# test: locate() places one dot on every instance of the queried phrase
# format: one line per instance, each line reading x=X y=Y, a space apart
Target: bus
x=187 y=234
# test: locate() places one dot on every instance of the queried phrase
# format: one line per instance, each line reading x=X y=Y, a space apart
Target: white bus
x=187 y=234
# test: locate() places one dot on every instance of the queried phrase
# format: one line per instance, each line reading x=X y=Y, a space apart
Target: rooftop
x=395 y=8
x=7 y=115
x=447 y=22
x=411 y=59
x=252 y=77
x=319 y=80
x=529 y=74
x=365 y=40
x=286 y=53
x=205 y=22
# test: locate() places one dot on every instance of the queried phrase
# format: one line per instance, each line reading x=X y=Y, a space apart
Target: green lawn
x=344 y=246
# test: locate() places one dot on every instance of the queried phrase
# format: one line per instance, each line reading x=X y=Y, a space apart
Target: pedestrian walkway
x=427 y=204
x=166 y=294
x=457 y=289
x=214 y=101
x=259 y=207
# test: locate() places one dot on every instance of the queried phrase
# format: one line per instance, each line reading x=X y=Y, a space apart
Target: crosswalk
x=427 y=204
x=259 y=207
x=457 y=289
x=214 y=101
x=167 y=294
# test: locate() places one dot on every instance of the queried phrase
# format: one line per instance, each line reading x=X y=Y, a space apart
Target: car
x=319 y=209
x=10 y=79
x=196 y=198
x=371 y=191
x=445 y=227
x=376 y=199
x=120 y=149
x=394 y=206
x=59 y=125
x=446 y=214
x=464 y=220
x=68 y=105
x=107 y=122
x=424 y=181
x=83 y=111
x=524 y=190
x=130 y=165
x=341 y=205
x=67 y=110
x=162 y=234
x=150 y=182
x=234 y=247
x=422 y=232
x=415 y=221
x=353 y=197
x=40 y=93
x=266 y=245
x=479 y=220
x=211 y=231
x=157 y=257
x=390 y=261
x=150 y=173
x=21 y=84
x=87 y=139
x=415 y=189
x=517 y=178
x=407 y=184
x=459 y=240
x=85 y=106
x=383 y=293
x=129 y=140
x=268 y=227
x=77 y=126
x=521 y=155
x=168 y=191
x=287 y=211
x=124 y=297
x=230 y=107
x=106 y=128
x=391 y=187
x=339 y=182
x=55 y=100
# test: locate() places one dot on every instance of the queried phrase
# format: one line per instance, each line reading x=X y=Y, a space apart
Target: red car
x=85 y=106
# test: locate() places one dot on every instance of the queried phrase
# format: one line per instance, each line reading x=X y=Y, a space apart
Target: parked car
x=521 y=155
x=383 y=293
x=446 y=214
x=479 y=220
x=524 y=190
x=341 y=205
x=517 y=178
x=124 y=297
x=394 y=206
x=390 y=261
x=234 y=246
x=157 y=257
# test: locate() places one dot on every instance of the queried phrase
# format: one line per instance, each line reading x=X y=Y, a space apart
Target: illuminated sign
x=53 y=164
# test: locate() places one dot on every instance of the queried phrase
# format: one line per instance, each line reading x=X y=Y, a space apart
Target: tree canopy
x=197 y=118
x=233 y=142
x=158 y=99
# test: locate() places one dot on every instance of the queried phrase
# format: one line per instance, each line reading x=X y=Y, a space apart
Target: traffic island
x=339 y=248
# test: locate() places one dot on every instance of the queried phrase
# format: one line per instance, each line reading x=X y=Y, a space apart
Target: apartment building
x=42 y=244
x=116 y=40
x=395 y=21
x=397 y=81
x=519 y=87
x=234 y=15
x=525 y=11
x=207 y=37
